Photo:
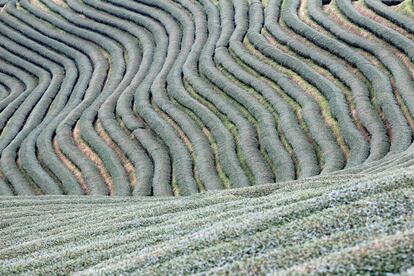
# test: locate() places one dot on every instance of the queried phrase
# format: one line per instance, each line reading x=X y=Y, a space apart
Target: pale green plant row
x=366 y=222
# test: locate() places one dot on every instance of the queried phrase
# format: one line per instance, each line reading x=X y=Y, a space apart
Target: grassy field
x=206 y=137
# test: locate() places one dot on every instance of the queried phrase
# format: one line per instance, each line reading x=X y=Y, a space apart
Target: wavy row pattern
x=305 y=106
x=178 y=97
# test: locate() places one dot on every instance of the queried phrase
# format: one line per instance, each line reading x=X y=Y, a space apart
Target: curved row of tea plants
x=179 y=97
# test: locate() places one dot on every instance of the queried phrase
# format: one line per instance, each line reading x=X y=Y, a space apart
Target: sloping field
x=211 y=137
x=363 y=225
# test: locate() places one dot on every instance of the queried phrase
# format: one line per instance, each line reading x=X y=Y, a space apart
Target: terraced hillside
x=211 y=101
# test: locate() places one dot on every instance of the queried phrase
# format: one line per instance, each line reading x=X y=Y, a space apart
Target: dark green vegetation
x=212 y=102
